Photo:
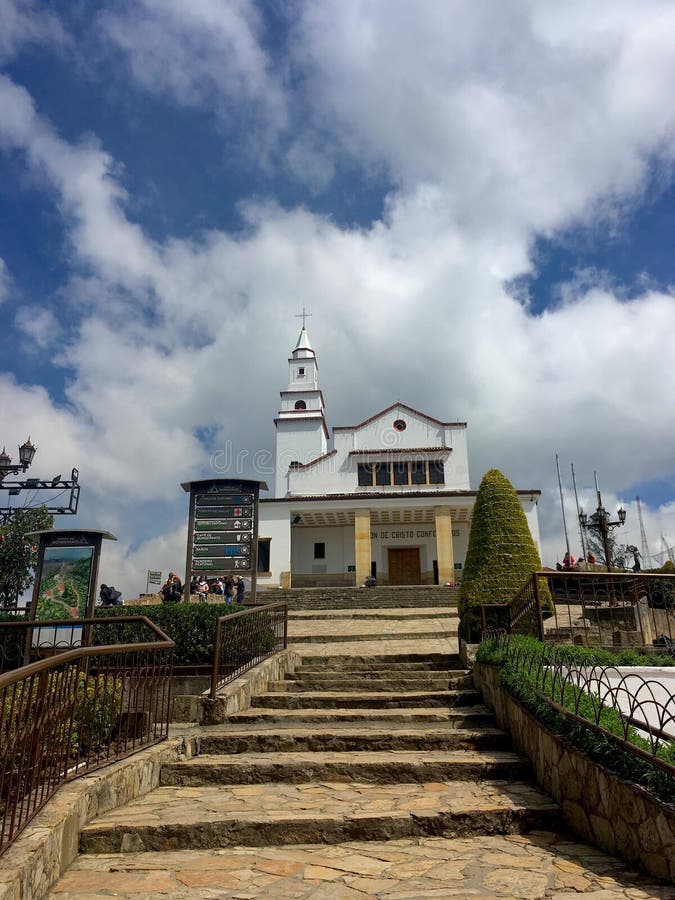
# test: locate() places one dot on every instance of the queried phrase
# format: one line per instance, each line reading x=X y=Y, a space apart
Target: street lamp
x=26 y=454
x=599 y=521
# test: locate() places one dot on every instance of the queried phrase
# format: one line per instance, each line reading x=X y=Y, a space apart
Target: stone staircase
x=376 y=748
x=365 y=773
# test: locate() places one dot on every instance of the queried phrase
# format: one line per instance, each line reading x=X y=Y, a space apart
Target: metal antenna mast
x=562 y=507
x=576 y=500
x=644 y=545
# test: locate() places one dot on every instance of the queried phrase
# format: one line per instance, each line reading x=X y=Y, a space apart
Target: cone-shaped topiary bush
x=502 y=554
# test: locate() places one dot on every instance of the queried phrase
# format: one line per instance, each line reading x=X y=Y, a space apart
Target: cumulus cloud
x=496 y=125
x=28 y=22
x=201 y=54
x=5 y=281
x=527 y=114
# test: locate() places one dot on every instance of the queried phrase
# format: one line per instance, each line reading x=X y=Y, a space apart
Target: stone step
x=363 y=737
x=354 y=663
x=440 y=682
x=276 y=814
x=380 y=768
x=378 y=699
x=470 y=717
x=321 y=637
x=431 y=612
x=542 y=863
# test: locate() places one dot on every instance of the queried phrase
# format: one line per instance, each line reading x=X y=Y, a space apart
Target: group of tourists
x=229 y=587
x=569 y=563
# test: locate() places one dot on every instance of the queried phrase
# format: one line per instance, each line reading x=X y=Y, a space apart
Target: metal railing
x=642 y=709
x=83 y=702
x=246 y=638
x=607 y=609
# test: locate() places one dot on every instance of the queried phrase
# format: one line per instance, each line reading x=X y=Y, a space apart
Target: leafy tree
x=502 y=554
x=18 y=554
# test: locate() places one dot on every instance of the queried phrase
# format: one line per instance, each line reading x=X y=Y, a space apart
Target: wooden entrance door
x=404 y=566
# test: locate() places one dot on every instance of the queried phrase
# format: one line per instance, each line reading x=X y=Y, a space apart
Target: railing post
x=285 y=625
x=537 y=606
x=216 y=659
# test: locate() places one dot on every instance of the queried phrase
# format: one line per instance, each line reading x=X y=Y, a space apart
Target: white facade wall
x=274 y=524
x=337 y=473
x=299 y=439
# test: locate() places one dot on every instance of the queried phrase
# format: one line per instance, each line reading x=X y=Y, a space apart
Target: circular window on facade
x=300 y=404
x=399 y=425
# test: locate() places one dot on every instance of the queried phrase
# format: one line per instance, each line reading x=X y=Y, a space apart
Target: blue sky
x=474 y=201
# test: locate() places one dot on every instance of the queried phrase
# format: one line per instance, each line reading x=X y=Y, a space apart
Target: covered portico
x=341 y=540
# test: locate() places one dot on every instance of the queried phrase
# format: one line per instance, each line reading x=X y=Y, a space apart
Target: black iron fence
x=246 y=638
x=629 y=709
x=605 y=609
x=71 y=701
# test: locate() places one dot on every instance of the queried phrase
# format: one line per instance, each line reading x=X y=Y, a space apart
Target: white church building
x=389 y=497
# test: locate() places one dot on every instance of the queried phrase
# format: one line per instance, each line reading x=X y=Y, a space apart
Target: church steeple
x=302 y=433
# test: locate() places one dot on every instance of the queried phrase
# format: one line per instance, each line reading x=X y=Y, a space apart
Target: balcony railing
x=606 y=609
x=81 y=701
x=246 y=638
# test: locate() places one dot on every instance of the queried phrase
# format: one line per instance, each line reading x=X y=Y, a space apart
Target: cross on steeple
x=304 y=315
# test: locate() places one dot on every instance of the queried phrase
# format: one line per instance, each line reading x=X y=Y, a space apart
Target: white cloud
x=27 y=22
x=40 y=326
x=5 y=281
x=526 y=114
x=201 y=54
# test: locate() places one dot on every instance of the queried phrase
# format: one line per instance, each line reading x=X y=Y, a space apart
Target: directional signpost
x=223 y=529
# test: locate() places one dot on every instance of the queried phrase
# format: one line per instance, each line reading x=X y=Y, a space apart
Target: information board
x=223 y=529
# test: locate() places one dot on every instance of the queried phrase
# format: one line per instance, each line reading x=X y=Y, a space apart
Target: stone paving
x=538 y=865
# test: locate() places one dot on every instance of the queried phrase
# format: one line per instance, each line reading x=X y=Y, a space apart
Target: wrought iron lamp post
x=599 y=521
x=69 y=486
x=26 y=454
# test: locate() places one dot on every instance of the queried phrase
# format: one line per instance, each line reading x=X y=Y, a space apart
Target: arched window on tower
x=300 y=404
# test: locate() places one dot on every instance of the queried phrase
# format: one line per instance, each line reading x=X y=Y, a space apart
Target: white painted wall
x=274 y=523
x=337 y=474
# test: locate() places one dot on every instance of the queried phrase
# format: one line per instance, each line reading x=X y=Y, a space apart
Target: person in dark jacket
x=241 y=587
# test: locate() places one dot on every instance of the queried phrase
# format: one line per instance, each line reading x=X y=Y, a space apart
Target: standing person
x=241 y=587
x=229 y=588
x=202 y=587
x=172 y=589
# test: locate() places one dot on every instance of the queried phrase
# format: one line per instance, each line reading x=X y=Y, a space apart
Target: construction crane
x=644 y=546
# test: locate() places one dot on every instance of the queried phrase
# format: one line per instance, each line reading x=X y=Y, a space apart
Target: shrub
x=191 y=625
x=84 y=711
x=502 y=554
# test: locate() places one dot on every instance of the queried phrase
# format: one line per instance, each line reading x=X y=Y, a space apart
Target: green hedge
x=191 y=625
x=520 y=683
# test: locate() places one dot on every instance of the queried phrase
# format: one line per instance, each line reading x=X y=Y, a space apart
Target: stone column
x=444 y=549
x=362 y=552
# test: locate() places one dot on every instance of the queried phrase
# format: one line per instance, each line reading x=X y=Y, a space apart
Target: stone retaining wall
x=336 y=597
x=621 y=818
x=42 y=853
x=236 y=695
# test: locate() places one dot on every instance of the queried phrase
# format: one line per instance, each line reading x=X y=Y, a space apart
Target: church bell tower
x=302 y=433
